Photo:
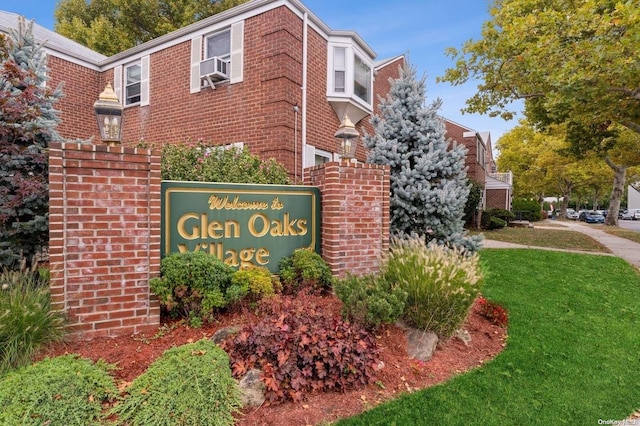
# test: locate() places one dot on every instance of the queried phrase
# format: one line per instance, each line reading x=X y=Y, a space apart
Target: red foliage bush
x=300 y=349
x=493 y=312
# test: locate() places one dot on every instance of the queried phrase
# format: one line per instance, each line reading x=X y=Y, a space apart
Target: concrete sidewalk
x=620 y=247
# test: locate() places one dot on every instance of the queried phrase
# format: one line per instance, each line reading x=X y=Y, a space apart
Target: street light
x=109 y=115
x=346 y=136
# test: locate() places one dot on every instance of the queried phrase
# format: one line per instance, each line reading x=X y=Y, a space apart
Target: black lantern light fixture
x=347 y=137
x=109 y=115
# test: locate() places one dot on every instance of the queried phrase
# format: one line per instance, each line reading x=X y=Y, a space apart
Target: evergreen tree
x=429 y=187
x=27 y=125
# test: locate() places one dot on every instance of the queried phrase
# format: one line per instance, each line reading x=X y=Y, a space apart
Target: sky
x=420 y=29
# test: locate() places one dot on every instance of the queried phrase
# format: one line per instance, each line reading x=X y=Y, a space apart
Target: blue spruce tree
x=428 y=177
x=27 y=125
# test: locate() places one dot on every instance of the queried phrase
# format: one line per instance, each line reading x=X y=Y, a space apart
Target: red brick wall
x=474 y=170
x=497 y=198
x=257 y=111
x=81 y=88
x=355 y=215
x=104 y=237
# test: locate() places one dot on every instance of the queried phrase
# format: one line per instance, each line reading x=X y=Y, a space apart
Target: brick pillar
x=104 y=238
x=355 y=215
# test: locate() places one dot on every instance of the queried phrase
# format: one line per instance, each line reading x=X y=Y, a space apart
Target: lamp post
x=346 y=136
x=109 y=115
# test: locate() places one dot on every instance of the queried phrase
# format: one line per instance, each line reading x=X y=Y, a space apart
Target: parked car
x=631 y=214
x=591 y=217
x=572 y=214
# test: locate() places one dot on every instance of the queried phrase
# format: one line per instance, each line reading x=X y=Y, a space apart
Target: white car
x=631 y=214
x=572 y=214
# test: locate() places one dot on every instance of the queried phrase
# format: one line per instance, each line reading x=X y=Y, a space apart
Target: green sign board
x=241 y=224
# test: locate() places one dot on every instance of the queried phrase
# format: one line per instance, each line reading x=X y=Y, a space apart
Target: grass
x=555 y=238
x=622 y=233
x=571 y=355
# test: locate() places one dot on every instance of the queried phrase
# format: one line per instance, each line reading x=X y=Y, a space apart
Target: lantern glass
x=109 y=116
x=347 y=136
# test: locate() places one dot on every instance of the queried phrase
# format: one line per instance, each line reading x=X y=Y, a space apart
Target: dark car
x=591 y=217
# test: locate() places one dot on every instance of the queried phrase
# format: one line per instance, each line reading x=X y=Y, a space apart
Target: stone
x=463 y=335
x=222 y=334
x=252 y=389
x=421 y=344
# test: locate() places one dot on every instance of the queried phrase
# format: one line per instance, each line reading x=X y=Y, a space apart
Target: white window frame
x=351 y=53
x=321 y=154
x=127 y=85
x=120 y=82
x=227 y=55
x=235 y=58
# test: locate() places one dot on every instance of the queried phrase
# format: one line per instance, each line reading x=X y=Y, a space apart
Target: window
x=219 y=45
x=350 y=74
x=339 y=69
x=226 y=45
x=361 y=79
x=133 y=74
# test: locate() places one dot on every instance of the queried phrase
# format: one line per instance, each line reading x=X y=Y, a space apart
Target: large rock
x=421 y=344
x=252 y=389
x=222 y=334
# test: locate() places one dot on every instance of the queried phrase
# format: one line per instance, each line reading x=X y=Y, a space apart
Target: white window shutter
x=144 y=81
x=196 y=57
x=309 y=159
x=117 y=82
x=237 y=44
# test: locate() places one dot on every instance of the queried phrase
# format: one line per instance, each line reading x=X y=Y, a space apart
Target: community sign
x=240 y=224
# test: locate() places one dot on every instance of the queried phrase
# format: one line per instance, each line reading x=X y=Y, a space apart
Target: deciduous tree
x=573 y=61
x=27 y=124
x=111 y=26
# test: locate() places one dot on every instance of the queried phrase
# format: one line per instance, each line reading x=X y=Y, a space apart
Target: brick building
x=481 y=167
x=267 y=74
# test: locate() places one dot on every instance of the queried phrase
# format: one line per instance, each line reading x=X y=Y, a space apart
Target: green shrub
x=304 y=269
x=489 y=221
x=26 y=319
x=253 y=283
x=370 y=300
x=503 y=214
x=187 y=385
x=203 y=162
x=301 y=348
x=526 y=209
x=192 y=284
x=441 y=283
x=496 y=223
x=65 y=390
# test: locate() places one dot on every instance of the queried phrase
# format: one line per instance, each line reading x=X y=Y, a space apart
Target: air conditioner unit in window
x=213 y=69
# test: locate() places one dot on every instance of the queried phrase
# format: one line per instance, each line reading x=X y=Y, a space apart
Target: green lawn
x=572 y=355
x=622 y=233
x=556 y=238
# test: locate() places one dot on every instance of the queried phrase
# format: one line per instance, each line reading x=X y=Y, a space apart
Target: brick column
x=355 y=215
x=104 y=240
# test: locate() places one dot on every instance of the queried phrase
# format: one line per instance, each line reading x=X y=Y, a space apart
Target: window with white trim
x=217 y=57
x=219 y=44
x=133 y=78
x=350 y=73
x=339 y=69
x=321 y=156
x=361 y=79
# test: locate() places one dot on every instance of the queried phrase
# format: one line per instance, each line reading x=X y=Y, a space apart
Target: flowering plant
x=493 y=312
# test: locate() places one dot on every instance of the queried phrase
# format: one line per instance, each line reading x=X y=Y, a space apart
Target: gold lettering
x=253 y=230
x=193 y=235
x=231 y=258
x=245 y=258
x=276 y=228
x=262 y=256
x=213 y=229
x=218 y=203
x=302 y=227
